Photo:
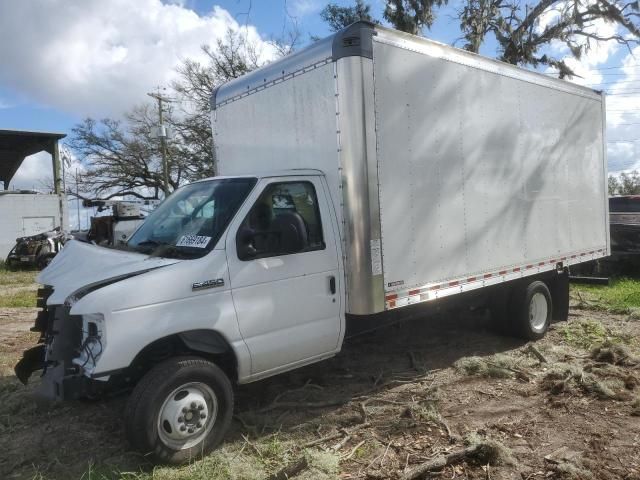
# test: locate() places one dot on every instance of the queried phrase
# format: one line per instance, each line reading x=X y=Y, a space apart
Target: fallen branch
x=290 y=470
x=353 y=451
x=318 y=441
x=334 y=436
x=532 y=349
x=343 y=442
x=287 y=392
x=255 y=449
x=440 y=462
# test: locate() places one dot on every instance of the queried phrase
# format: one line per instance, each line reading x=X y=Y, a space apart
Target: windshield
x=189 y=223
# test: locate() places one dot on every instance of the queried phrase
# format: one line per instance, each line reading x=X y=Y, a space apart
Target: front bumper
x=60 y=339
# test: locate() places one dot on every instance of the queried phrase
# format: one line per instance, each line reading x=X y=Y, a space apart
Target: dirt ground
x=390 y=401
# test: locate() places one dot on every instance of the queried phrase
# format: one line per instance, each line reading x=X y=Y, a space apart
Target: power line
x=615 y=82
x=621 y=66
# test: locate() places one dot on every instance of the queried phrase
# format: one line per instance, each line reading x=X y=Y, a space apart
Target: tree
x=340 y=17
x=524 y=31
x=412 y=16
x=123 y=157
x=627 y=183
x=613 y=185
x=120 y=159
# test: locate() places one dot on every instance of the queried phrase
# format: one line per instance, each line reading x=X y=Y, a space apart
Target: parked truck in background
x=372 y=174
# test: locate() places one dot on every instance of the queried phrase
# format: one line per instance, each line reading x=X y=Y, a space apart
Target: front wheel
x=180 y=410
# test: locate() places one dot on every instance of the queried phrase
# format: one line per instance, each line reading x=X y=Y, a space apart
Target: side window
x=284 y=220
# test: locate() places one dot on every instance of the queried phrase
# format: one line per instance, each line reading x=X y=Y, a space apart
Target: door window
x=284 y=220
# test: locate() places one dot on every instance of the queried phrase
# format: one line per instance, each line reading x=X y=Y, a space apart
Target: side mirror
x=244 y=244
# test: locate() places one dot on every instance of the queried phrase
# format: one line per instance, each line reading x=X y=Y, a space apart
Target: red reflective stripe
x=488 y=275
x=414 y=292
x=434 y=287
x=503 y=272
x=540 y=264
x=517 y=269
x=471 y=279
x=454 y=283
x=529 y=266
x=392 y=303
x=393 y=296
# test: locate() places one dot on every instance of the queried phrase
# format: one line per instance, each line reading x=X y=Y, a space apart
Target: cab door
x=286 y=291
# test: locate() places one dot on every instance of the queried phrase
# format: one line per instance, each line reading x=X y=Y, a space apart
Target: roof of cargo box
x=357 y=40
x=16 y=145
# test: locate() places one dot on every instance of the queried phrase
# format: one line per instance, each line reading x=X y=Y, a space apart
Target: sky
x=64 y=60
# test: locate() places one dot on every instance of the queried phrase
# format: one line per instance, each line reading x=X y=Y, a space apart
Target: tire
x=171 y=396
x=531 y=311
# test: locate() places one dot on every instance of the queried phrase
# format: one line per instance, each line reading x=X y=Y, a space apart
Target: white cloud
x=92 y=57
x=36 y=172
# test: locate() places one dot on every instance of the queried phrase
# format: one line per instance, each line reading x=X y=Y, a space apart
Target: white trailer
x=372 y=171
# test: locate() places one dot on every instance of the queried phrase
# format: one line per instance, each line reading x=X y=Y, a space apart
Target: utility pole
x=78 y=198
x=162 y=133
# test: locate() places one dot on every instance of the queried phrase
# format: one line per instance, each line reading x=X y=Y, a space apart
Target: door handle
x=332 y=284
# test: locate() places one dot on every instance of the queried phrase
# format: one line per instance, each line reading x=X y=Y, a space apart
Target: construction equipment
x=115 y=229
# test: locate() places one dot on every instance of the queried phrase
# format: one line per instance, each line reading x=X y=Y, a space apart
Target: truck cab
x=242 y=271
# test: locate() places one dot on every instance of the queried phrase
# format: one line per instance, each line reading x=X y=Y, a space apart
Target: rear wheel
x=531 y=311
x=180 y=410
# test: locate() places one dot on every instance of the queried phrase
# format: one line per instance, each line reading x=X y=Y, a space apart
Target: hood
x=81 y=265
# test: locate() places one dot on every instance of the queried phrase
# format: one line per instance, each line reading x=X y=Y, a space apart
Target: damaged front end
x=61 y=351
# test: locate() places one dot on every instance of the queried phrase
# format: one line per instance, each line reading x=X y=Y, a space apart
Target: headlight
x=93 y=341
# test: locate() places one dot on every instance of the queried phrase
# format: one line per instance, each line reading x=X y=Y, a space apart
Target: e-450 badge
x=218 y=282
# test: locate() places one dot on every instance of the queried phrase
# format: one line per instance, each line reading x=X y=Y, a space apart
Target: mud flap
x=31 y=361
x=559 y=288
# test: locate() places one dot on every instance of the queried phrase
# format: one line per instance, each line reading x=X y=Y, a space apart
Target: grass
x=496 y=366
x=18 y=278
x=621 y=296
x=17 y=288
x=18 y=299
x=588 y=334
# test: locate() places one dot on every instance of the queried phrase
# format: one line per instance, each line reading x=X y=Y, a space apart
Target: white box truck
x=371 y=174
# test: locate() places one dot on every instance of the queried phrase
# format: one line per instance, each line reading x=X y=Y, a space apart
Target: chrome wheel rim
x=187 y=415
x=538 y=311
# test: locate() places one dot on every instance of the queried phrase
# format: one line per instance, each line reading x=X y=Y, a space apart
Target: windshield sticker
x=195 y=241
